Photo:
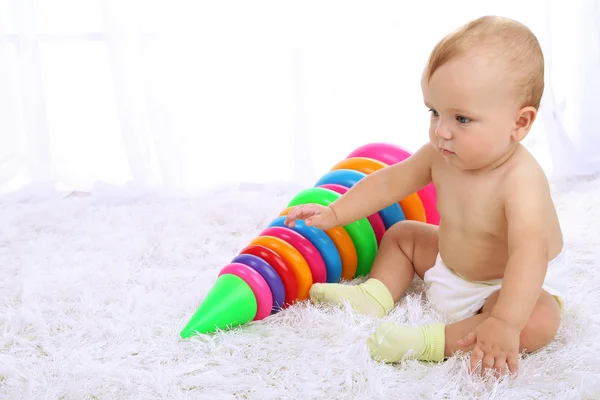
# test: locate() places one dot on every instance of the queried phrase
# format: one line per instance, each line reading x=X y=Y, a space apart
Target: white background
x=186 y=95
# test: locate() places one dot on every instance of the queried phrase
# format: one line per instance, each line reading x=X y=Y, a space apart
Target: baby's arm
x=385 y=187
x=526 y=207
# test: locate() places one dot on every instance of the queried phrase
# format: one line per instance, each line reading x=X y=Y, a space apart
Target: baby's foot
x=391 y=342
x=370 y=298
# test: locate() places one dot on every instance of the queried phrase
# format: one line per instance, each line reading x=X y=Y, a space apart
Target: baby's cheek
x=479 y=147
x=432 y=136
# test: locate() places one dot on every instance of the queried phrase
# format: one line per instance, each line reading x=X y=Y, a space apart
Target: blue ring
x=349 y=177
x=323 y=243
x=269 y=274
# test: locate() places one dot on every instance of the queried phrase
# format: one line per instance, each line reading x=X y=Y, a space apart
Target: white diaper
x=460 y=298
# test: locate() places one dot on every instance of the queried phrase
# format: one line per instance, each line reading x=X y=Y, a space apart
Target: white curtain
x=572 y=99
x=179 y=96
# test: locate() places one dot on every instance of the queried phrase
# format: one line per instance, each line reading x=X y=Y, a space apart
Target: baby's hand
x=496 y=346
x=314 y=215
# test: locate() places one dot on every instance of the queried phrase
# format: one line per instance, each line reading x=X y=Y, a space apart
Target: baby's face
x=473 y=112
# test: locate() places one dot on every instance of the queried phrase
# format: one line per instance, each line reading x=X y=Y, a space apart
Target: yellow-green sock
x=392 y=343
x=371 y=297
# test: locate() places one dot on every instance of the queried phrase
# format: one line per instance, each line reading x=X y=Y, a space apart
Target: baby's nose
x=443 y=132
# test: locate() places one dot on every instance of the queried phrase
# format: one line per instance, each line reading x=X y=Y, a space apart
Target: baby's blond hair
x=510 y=41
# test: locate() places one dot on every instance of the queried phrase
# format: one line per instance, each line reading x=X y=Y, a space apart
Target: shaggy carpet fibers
x=94 y=292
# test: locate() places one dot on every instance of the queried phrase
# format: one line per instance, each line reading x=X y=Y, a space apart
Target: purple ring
x=269 y=274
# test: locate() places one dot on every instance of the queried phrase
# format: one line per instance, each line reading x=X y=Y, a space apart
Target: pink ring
x=260 y=287
x=429 y=199
x=375 y=219
x=387 y=153
x=308 y=251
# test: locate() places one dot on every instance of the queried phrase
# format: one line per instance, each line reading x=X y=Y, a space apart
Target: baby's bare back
x=473 y=238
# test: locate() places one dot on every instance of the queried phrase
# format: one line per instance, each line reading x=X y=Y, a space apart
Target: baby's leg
x=538 y=332
x=406 y=248
x=392 y=342
x=410 y=247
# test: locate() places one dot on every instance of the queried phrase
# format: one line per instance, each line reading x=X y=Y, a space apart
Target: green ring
x=360 y=231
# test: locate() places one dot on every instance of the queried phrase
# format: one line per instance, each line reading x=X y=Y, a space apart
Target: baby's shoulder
x=524 y=176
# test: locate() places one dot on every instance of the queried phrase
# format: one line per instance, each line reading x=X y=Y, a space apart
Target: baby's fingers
x=468 y=340
x=315 y=220
x=290 y=218
x=300 y=212
x=476 y=357
x=487 y=363
x=303 y=212
x=500 y=365
x=513 y=363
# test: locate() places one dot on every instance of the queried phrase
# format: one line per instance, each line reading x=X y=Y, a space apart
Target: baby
x=495 y=263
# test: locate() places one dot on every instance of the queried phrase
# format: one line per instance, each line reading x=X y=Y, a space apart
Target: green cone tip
x=229 y=303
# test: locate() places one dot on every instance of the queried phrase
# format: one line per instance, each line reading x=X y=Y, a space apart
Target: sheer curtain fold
x=12 y=160
x=32 y=95
x=197 y=94
x=25 y=149
x=138 y=67
x=572 y=98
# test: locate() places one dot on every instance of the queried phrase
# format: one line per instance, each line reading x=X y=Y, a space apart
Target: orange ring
x=411 y=205
x=286 y=211
x=362 y=164
x=347 y=250
x=413 y=208
x=345 y=246
x=294 y=260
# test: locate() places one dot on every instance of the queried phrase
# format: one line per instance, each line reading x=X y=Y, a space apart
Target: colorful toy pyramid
x=279 y=266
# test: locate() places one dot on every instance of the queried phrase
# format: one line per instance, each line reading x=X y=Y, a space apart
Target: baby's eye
x=434 y=113
x=462 y=120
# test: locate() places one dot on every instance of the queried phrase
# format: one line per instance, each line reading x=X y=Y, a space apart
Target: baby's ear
x=525 y=118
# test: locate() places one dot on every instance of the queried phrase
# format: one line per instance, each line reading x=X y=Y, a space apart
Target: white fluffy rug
x=93 y=295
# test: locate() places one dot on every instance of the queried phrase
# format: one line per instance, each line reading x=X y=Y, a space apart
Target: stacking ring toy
x=279 y=266
x=344 y=245
x=286 y=274
x=260 y=288
x=268 y=274
x=411 y=205
x=360 y=231
x=293 y=258
x=361 y=164
x=323 y=244
x=391 y=154
x=428 y=196
x=374 y=219
x=347 y=177
x=387 y=153
x=308 y=251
